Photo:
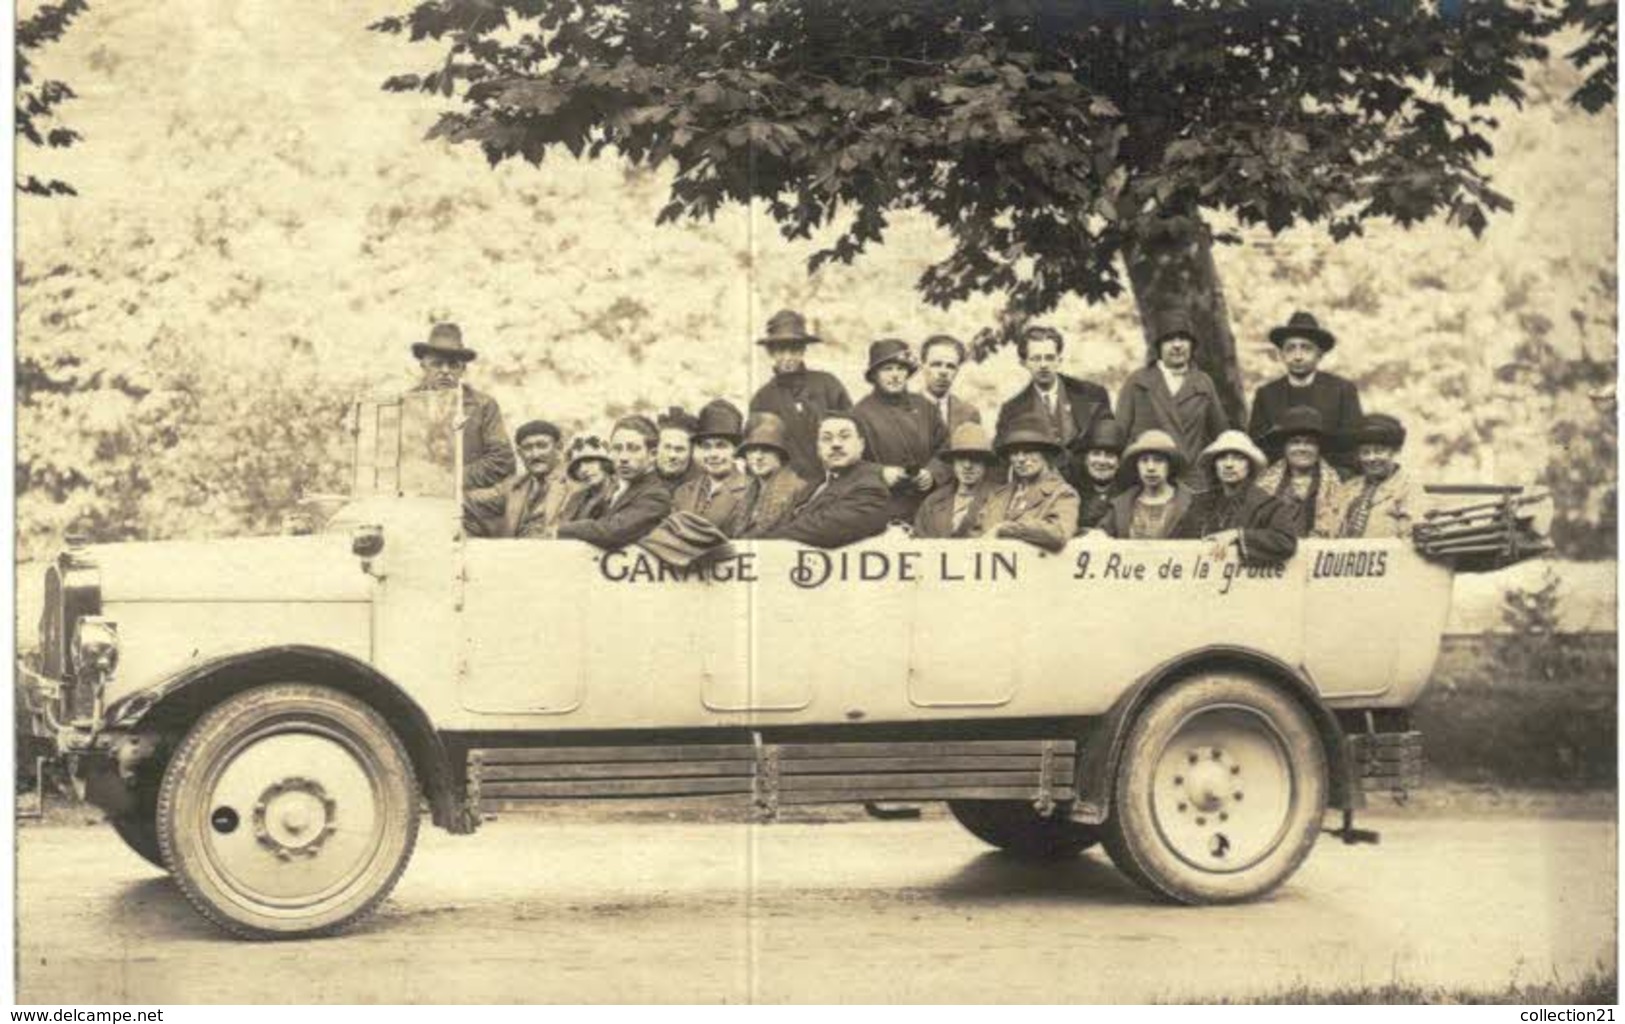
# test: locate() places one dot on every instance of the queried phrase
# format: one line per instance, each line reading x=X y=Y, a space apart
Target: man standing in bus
x=798 y=396
x=487 y=456
x=1068 y=406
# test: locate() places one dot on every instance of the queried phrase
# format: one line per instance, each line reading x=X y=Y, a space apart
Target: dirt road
x=868 y=911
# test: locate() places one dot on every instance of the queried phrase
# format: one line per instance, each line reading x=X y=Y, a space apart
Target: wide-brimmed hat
x=1303 y=325
x=1231 y=441
x=1105 y=434
x=445 y=339
x=1032 y=431
x=969 y=441
x=720 y=418
x=1153 y=442
x=1296 y=422
x=766 y=430
x=584 y=449
x=889 y=350
x=787 y=327
x=1379 y=428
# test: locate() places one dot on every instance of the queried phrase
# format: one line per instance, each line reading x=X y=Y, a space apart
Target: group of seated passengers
x=811 y=467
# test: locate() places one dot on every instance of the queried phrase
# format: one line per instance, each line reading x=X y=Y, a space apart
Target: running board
x=767 y=776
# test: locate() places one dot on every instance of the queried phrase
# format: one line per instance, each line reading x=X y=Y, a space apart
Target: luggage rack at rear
x=767 y=776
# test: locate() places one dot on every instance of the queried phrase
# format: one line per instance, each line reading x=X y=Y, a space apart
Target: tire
x=1017 y=828
x=289 y=810
x=1221 y=793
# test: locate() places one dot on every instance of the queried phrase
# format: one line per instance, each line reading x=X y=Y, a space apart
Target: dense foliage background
x=260 y=233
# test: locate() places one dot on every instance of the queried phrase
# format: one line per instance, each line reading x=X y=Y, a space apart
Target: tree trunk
x=1172 y=272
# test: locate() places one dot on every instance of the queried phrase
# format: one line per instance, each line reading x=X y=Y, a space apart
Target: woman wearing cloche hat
x=1153 y=507
x=1382 y=501
x=902 y=431
x=1233 y=511
x=1302 y=477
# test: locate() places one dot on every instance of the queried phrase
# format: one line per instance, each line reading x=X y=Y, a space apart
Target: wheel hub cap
x=294 y=816
x=1223 y=792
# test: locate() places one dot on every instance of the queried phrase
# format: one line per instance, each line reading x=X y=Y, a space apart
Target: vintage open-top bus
x=266 y=718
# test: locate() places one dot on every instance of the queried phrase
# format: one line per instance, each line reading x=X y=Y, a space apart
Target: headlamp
x=95 y=644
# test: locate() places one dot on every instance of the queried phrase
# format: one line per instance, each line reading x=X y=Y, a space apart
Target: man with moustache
x=530 y=505
x=1069 y=406
x=1302 y=344
x=487 y=456
x=798 y=396
x=638 y=500
x=847 y=501
x=720 y=493
x=940 y=359
x=902 y=431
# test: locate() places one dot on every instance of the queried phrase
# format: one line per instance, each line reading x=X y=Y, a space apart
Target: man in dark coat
x=1070 y=406
x=531 y=504
x=1303 y=343
x=487 y=456
x=1173 y=395
x=941 y=357
x=847 y=501
x=952 y=510
x=798 y=396
x=638 y=501
x=902 y=431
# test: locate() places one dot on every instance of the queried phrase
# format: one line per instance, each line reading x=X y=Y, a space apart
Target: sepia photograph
x=876 y=502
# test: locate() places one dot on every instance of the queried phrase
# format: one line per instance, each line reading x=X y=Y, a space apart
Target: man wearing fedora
x=1172 y=394
x=487 y=456
x=1302 y=343
x=1036 y=505
x=847 y=501
x=773 y=484
x=531 y=504
x=798 y=396
x=638 y=501
x=674 y=453
x=902 y=431
x=1069 y=406
x=720 y=493
x=951 y=510
x=941 y=357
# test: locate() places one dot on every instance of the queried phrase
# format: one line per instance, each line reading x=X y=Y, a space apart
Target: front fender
x=1104 y=750
x=172 y=704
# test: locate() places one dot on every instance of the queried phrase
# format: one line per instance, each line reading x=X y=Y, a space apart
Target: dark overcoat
x=770 y=500
x=1081 y=405
x=643 y=504
x=1338 y=402
x=801 y=399
x=1268 y=525
x=1193 y=417
x=844 y=508
x=906 y=431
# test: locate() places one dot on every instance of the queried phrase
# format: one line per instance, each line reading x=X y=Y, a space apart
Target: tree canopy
x=37 y=100
x=1045 y=138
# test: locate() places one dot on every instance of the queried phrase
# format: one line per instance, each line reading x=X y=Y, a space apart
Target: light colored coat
x=1396 y=507
x=725 y=508
x=1045 y=513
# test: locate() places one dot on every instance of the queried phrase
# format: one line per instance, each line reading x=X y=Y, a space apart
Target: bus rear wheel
x=1016 y=827
x=1221 y=792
